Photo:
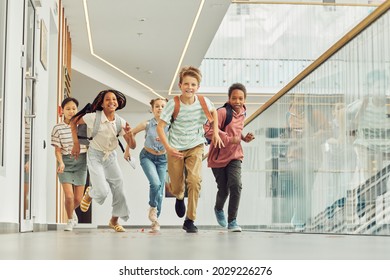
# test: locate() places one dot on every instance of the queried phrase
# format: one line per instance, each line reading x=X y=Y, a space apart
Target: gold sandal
x=117 y=227
x=84 y=204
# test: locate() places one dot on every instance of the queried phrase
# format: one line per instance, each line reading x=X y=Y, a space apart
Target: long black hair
x=97 y=103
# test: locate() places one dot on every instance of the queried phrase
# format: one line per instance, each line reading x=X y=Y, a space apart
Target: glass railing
x=320 y=162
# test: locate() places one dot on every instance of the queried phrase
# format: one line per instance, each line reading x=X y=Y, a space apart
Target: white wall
x=46 y=88
x=51 y=112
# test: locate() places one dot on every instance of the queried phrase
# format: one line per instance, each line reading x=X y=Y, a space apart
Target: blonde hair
x=190 y=71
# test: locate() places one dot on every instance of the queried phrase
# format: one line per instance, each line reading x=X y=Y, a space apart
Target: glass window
x=3 y=29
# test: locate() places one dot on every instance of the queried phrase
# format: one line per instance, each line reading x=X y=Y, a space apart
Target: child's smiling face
x=110 y=103
x=189 y=86
x=237 y=100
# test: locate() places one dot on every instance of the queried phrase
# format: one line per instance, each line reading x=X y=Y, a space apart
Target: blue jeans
x=155 y=169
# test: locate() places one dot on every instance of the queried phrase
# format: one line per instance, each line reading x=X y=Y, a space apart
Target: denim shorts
x=75 y=171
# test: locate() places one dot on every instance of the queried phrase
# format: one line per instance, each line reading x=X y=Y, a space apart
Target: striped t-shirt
x=61 y=136
x=187 y=130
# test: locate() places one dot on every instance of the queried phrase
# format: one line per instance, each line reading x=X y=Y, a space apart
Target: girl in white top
x=102 y=162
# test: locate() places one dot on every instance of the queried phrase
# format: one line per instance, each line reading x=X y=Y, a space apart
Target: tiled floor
x=174 y=243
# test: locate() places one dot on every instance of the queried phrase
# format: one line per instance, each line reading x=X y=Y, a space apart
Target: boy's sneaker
x=155 y=227
x=189 y=226
x=180 y=207
x=69 y=225
x=153 y=214
x=233 y=227
x=220 y=217
x=75 y=218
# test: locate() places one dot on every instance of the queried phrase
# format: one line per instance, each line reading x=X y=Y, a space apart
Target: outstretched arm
x=163 y=139
x=217 y=141
x=129 y=137
x=134 y=131
x=248 y=137
x=76 y=144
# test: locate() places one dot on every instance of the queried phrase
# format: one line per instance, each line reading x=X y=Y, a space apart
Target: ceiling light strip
x=88 y=27
x=186 y=45
x=105 y=61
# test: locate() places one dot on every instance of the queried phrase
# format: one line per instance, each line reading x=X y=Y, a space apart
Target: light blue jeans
x=106 y=175
x=155 y=169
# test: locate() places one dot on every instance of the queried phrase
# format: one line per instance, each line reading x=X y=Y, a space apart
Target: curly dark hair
x=237 y=86
x=98 y=101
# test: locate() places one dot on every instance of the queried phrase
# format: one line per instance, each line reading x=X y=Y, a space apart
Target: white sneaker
x=153 y=214
x=155 y=227
x=75 y=219
x=69 y=225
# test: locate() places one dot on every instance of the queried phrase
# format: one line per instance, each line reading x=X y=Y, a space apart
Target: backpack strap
x=205 y=108
x=118 y=124
x=96 y=124
x=229 y=115
x=202 y=101
x=176 y=109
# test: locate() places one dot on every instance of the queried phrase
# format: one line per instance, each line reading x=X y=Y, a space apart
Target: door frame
x=28 y=81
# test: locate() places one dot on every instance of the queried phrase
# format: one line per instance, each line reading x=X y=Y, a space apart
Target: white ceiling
x=141 y=39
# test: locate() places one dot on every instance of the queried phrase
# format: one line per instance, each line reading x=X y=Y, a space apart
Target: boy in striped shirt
x=185 y=144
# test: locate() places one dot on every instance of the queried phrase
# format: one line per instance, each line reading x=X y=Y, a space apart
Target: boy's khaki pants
x=192 y=164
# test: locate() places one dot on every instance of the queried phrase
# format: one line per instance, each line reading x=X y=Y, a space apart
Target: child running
x=72 y=173
x=226 y=162
x=102 y=162
x=185 y=145
x=153 y=160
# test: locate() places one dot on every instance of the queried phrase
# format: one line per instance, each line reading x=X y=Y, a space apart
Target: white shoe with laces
x=75 y=219
x=69 y=225
x=155 y=227
x=153 y=214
